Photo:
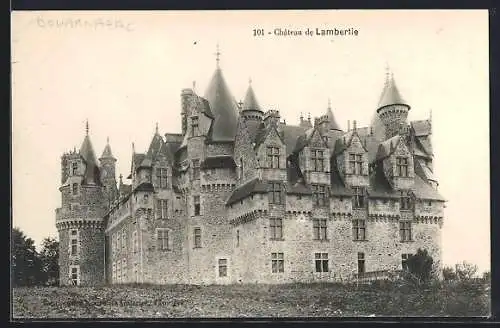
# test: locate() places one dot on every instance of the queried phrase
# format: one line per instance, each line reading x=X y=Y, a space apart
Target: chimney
x=354 y=125
x=348 y=125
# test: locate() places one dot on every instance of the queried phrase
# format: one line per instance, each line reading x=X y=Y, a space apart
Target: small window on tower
x=75 y=188
x=74 y=168
x=196 y=201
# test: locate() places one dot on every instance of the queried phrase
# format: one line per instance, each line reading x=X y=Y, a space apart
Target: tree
x=487 y=275
x=465 y=270
x=420 y=265
x=25 y=263
x=449 y=274
x=49 y=256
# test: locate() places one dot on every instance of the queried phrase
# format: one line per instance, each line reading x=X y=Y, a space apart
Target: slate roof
x=290 y=135
x=106 y=153
x=390 y=95
x=424 y=171
x=338 y=188
x=298 y=188
x=92 y=173
x=223 y=108
x=421 y=128
x=423 y=190
x=251 y=187
x=218 y=162
x=250 y=102
x=379 y=186
x=386 y=148
x=332 y=123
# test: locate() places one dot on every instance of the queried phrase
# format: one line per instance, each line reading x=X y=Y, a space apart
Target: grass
x=291 y=300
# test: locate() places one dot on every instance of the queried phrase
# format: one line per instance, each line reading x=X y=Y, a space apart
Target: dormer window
x=273 y=157
x=319 y=195
x=275 y=193
x=356 y=163
x=195 y=131
x=74 y=188
x=74 y=168
x=161 y=177
x=196 y=169
x=318 y=160
x=402 y=166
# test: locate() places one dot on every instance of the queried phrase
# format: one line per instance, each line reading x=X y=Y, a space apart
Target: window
x=275 y=193
x=273 y=157
x=405 y=230
x=405 y=201
x=124 y=270
x=277 y=262
x=276 y=226
x=196 y=169
x=75 y=188
x=113 y=276
x=402 y=166
x=74 y=277
x=319 y=229
x=196 y=202
x=161 y=177
x=361 y=262
x=161 y=209
x=319 y=195
x=162 y=239
x=74 y=168
x=74 y=243
x=119 y=271
x=237 y=238
x=359 y=229
x=222 y=267
x=356 y=163
x=404 y=261
x=124 y=239
x=321 y=261
x=197 y=237
x=317 y=159
x=135 y=242
x=359 y=197
x=194 y=126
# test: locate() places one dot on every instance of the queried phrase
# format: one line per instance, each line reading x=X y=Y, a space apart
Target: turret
x=392 y=109
x=251 y=110
x=108 y=175
x=79 y=220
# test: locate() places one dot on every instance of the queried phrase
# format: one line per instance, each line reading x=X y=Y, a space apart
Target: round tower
x=392 y=109
x=251 y=110
x=79 y=220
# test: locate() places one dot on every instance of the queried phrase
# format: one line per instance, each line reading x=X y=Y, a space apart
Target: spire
x=332 y=123
x=250 y=102
x=106 y=153
x=194 y=87
x=87 y=152
x=390 y=94
x=133 y=148
x=156 y=129
x=87 y=127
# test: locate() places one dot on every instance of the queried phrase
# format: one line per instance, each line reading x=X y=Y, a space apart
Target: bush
x=465 y=270
x=449 y=274
x=420 y=266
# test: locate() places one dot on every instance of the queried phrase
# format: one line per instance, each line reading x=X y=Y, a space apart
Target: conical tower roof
x=250 y=102
x=332 y=123
x=222 y=106
x=155 y=145
x=106 y=153
x=390 y=94
x=91 y=175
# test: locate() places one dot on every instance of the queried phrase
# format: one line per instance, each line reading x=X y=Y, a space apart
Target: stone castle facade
x=239 y=196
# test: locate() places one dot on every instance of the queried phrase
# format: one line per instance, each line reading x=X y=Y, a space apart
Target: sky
x=126 y=76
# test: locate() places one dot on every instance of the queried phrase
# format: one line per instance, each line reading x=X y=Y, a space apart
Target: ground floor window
x=277 y=262
x=404 y=261
x=361 y=262
x=222 y=267
x=321 y=262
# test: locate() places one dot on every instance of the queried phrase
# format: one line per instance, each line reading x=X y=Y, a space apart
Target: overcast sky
x=126 y=77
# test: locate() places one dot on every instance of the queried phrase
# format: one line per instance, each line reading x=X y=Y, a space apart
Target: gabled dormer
x=397 y=162
x=313 y=155
x=271 y=153
x=351 y=157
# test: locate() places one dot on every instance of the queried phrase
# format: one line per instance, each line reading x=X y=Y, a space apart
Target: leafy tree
x=49 y=256
x=487 y=275
x=420 y=266
x=465 y=270
x=25 y=263
x=449 y=274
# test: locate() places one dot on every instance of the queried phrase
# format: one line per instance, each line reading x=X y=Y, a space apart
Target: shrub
x=449 y=274
x=420 y=266
x=465 y=270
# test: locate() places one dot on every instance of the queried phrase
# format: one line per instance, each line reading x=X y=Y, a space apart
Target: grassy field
x=293 y=300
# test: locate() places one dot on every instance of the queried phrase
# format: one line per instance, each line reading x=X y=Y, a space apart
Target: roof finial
x=309 y=117
x=250 y=81
x=387 y=72
x=156 y=130
x=87 y=127
x=107 y=140
x=329 y=104
x=301 y=116
x=133 y=148
x=121 y=178
x=194 y=86
x=430 y=115
x=217 y=55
